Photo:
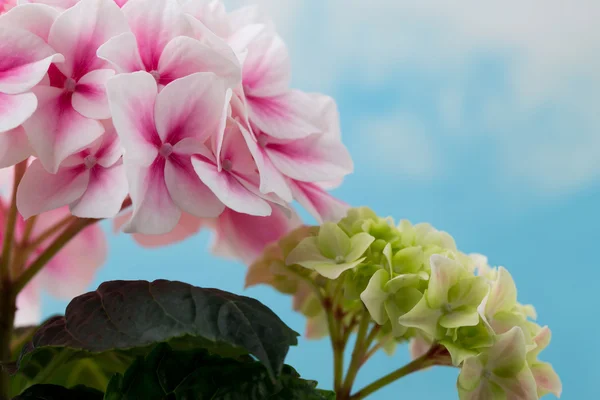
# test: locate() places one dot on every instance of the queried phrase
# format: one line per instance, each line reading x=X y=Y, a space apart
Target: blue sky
x=481 y=119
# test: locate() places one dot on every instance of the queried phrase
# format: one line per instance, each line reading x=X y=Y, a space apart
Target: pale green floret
x=450 y=301
x=387 y=298
x=331 y=252
x=499 y=372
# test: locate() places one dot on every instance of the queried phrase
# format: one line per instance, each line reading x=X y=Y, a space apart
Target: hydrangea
x=414 y=285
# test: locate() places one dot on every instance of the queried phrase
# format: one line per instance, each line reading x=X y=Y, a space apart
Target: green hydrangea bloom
x=500 y=372
x=450 y=301
x=415 y=285
x=331 y=252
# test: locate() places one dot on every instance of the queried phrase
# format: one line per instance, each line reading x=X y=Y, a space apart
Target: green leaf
x=195 y=374
x=55 y=392
x=21 y=336
x=124 y=319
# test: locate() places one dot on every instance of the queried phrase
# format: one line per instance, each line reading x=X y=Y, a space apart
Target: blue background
x=466 y=128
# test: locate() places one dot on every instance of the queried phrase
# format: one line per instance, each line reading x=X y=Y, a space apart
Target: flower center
x=227 y=164
x=166 y=150
x=448 y=308
x=90 y=161
x=156 y=75
x=340 y=259
x=486 y=374
x=70 y=85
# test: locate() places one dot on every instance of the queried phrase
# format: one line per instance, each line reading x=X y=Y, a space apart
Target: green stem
x=9 y=229
x=426 y=360
x=48 y=233
x=8 y=295
x=360 y=347
x=69 y=233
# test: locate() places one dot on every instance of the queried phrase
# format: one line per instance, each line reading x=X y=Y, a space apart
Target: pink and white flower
x=70 y=107
x=201 y=104
x=160 y=42
x=231 y=173
x=92 y=182
x=24 y=61
x=272 y=107
x=160 y=132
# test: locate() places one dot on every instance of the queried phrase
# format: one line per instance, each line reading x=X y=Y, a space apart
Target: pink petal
x=244 y=37
x=248 y=15
x=104 y=195
x=72 y=270
x=266 y=70
x=24 y=60
x=418 y=346
x=15 y=109
x=57 y=4
x=546 y=379
x=318 y=202
x=229 y=189
x=131 y=98
x=271 y=180
x=316 y=327
x=109 y=149
x=154 y=25
x=122 y=53
x=224 y=123
x=286 y=116
x=187 y=226
x=14 y=147
x=56 y=130
x=29 y=306
x=154 y=211
x=245 y=236
x=325 y=115
x=188 y=191
x=35 y=18
x=89 y=98
x=209 y=37
x=190 y=107
x=312 y=159
x=184 y=56
x=79 y=31
x=211 y=14
x=233 y=148
x=41 y=191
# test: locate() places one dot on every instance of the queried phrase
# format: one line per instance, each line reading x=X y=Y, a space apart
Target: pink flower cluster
x=179 y=105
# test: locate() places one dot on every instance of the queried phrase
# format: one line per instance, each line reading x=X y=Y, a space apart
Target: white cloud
x=398 y=144
x=549 y=51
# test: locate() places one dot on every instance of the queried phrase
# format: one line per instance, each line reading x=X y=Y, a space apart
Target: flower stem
x=337 y=343
x=48 y=233
x=9 y=229
x=7 y=292
x=426 y=360
x=360 y=347
x=69 y=233
x=75 y=226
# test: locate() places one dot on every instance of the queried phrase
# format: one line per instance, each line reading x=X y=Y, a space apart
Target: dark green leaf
x=55 y=392
x=125 y=318
x=195 y=374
